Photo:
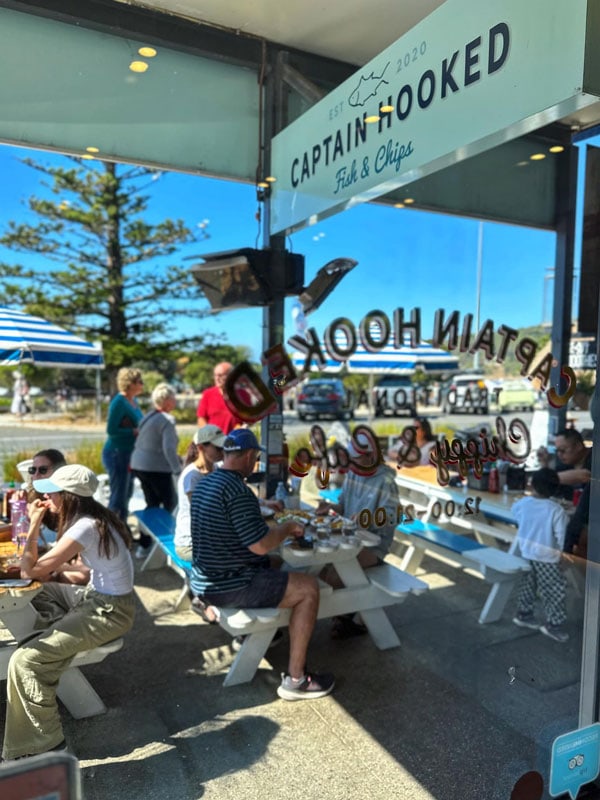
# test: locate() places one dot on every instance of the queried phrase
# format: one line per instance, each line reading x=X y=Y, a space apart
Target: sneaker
x=526 y=621
x=556 y=632
x=311 y=686
x=236 y=644
x=141 y=552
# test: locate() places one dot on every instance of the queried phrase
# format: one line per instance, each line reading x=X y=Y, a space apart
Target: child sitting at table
x=540 y=538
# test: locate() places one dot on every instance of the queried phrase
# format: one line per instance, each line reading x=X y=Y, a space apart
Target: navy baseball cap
x=241 y=439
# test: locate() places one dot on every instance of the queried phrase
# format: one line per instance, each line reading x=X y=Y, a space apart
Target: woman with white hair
x=154 y=459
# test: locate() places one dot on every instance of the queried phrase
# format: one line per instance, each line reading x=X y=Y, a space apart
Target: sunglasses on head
x=41 y=470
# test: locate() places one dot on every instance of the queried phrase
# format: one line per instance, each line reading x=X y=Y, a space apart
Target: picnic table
x=366 y=591
x=487 y=515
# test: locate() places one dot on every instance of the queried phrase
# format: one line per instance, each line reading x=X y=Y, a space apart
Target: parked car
x=394 y=394
x=324 y=397
x=465 y=392
x=516 y=395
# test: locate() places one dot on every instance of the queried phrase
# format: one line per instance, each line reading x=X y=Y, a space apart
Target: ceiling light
x=87 y=156
x=270 y=178
x=263 y=185
x=398 y=205
x=408 y=200
x=92 y=149
x=522 y=163
x=372 y=118
x=537 y=157
x=386 y=109
x=138 y=66
x=557 y=148
x=147 y=52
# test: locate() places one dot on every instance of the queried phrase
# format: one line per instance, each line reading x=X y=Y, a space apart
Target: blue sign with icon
x=575 y=760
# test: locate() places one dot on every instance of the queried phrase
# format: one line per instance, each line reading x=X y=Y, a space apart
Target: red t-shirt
x=213 y=408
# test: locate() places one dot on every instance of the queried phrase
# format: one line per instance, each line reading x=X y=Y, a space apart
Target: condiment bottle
x=494 y=480
x=6 y=501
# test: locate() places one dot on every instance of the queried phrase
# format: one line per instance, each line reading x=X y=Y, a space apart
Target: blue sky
x=407 y=258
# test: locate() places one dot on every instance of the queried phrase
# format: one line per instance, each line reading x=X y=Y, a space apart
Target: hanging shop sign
x=582 y=353
x=467 y=78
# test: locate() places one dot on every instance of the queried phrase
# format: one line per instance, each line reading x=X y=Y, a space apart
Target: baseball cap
x=241 y=439
x=73 y=478
x=210 y=434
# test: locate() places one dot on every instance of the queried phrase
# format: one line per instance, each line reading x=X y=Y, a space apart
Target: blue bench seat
x=496 y=566
x=433 y=534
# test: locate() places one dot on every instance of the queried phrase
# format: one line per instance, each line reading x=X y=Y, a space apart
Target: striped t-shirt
x=225 y=521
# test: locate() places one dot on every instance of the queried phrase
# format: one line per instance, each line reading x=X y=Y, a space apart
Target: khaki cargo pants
x=80 y=619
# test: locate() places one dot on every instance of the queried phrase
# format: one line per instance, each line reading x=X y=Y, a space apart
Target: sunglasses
x=41 y=470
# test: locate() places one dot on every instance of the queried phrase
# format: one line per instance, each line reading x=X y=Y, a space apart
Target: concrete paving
x=438 y=717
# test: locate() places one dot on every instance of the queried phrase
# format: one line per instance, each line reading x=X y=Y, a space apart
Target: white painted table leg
x=249 y=657
x=80 y=699
x=380 y=628
x=496 y=601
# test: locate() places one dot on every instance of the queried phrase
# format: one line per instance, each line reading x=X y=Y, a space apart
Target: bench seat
x=159 y=524
x=496 y=566
x=74 y=690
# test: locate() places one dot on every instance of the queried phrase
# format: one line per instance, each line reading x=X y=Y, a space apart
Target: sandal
x=206 y=612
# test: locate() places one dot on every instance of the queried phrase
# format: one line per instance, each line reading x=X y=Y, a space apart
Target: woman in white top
x=203 y=454
x=75 y=618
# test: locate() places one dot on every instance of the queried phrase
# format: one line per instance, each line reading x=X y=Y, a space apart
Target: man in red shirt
x=212 y=408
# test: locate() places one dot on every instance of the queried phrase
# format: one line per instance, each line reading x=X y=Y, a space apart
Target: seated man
x=573 y=461
x=231 y=566
x=359 y=492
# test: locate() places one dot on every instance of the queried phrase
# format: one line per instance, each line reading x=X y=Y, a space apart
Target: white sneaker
x=555 y=632
x=526 y=621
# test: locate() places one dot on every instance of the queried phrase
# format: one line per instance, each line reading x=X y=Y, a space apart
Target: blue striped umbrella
x=25 y=339
x=389 y=360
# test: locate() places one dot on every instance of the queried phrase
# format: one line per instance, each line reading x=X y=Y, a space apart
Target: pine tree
x=113 y=284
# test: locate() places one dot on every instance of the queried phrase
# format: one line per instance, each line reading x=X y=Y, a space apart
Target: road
x=292 y=424
x=36 y=434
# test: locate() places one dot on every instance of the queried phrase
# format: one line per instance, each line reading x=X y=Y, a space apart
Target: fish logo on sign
x=367 y=88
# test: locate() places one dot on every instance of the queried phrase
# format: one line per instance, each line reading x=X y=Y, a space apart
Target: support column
x=566 y=198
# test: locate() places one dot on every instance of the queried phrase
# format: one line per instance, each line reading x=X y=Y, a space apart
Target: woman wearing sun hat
x=84 y=617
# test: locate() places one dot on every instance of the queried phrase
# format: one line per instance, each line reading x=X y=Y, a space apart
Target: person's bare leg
x=302 y=596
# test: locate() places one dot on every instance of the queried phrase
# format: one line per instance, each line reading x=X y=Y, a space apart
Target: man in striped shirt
x=231 y=566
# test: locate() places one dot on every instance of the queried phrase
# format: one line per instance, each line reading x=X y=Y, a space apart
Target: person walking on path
x=80 y=617
x=212 y=408
x=124 y=416
x=540 y=538
x=19 y=406
x=231 y=566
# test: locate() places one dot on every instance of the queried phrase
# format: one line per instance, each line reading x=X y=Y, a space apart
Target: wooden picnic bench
x=496 y=566
x=367 y=592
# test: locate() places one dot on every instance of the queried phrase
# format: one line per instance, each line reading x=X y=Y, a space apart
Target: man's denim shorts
x=265 y=590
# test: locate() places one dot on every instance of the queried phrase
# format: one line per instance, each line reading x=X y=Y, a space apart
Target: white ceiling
x=353 y=31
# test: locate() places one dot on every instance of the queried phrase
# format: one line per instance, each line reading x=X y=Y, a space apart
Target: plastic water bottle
x=293 y=500
x=281 y=493
x=19 y=522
